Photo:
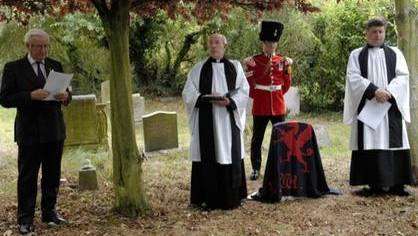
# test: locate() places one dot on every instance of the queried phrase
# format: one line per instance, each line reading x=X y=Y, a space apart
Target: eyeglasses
x=40 y=46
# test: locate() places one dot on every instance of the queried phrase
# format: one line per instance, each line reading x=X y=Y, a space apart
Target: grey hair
x=35 y=32
x=221 y=36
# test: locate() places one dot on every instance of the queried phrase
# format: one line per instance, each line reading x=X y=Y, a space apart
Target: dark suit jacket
x=36 y=121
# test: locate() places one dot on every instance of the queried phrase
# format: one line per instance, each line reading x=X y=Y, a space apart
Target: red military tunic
x=263 y=74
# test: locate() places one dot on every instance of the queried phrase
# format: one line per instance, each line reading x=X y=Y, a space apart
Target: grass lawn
x=167 y=179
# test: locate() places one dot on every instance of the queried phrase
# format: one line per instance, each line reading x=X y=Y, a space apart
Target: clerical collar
x=32 y=61
x=371 y=46
x=213 y=60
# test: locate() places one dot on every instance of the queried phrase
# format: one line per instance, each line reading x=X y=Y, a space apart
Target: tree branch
x=101 y=8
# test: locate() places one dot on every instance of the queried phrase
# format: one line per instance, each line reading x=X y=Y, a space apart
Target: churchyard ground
x=167 y=178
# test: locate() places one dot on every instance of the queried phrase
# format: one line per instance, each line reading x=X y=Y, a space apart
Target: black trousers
x=30 y=158
x=259 y=128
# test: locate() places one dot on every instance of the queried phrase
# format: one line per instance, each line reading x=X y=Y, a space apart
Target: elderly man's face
x=38 y=47
x=216 y=46
x=375 y=35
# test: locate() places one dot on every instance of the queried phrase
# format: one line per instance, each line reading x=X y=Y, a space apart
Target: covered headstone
x=87 y=179
x=160 y=131
x=294 y=166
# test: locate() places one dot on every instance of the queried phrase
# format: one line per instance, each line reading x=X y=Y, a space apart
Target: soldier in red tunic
x=269 y=76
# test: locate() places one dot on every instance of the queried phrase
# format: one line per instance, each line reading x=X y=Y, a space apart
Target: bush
x=339 y=29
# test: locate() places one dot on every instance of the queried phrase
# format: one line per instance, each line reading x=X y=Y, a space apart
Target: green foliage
x=339 y=28
x=163 y=50
x=75 y=42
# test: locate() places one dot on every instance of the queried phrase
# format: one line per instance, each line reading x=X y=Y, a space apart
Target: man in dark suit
x=39 y=129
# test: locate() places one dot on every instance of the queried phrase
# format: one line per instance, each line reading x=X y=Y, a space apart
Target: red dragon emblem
x=294 y=137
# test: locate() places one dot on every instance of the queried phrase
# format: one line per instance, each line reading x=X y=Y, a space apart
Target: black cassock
x=294 y=165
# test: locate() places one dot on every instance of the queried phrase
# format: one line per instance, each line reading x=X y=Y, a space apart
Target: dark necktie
x=40 y=74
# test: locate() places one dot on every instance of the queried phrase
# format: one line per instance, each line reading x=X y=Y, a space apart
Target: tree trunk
x=407 y=26
x=130 y=197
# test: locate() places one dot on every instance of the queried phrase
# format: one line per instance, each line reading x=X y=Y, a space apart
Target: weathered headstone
x=292 y=100
x=138 y=104
x=87 y=177
x=86 y=122
x=160 y=131
x=322 y=136
x=103 y=113
x=105 y=92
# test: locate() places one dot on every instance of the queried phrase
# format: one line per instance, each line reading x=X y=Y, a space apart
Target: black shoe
x=254 y=175
x=370 y=192
x=25 y=229
x=54 y=219
x=256 y=196
x=399 y=191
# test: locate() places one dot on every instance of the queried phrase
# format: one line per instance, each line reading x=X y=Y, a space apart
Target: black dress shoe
x=54 y=220
x=25 y=229
x=256 y=196
x=254 y=175
x=370 y=192
x=399 y=190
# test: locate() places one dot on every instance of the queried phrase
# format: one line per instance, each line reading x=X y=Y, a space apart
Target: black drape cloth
x=294 y=166
x=213 y=184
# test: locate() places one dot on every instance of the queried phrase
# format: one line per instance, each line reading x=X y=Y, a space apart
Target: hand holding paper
x=373 y=112
x=56 y=84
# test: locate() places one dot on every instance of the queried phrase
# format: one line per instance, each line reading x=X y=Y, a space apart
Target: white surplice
x=221 y=118
x=377 y=74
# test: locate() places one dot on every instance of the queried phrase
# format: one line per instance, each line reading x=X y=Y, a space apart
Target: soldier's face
x=269 y=47
x=38 y=47
x=375 y=35
x=216 y=46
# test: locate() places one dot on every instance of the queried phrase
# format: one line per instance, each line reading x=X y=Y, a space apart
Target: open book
x=210 y=97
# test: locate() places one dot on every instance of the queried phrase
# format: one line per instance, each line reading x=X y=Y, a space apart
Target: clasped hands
x=382 y=95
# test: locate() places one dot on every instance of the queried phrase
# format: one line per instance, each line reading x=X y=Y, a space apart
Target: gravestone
x=103 y=112
x=292 y=99
x=322 y=136
x=87 y=177
x=105 y=92
x=160 y=131
x=138 y=104
x=86 y=122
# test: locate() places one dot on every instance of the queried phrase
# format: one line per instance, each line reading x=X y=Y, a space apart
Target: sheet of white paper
x=373 y=113
x=56 y=83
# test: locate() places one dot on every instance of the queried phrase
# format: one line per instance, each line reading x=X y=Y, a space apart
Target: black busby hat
x=271 y=31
